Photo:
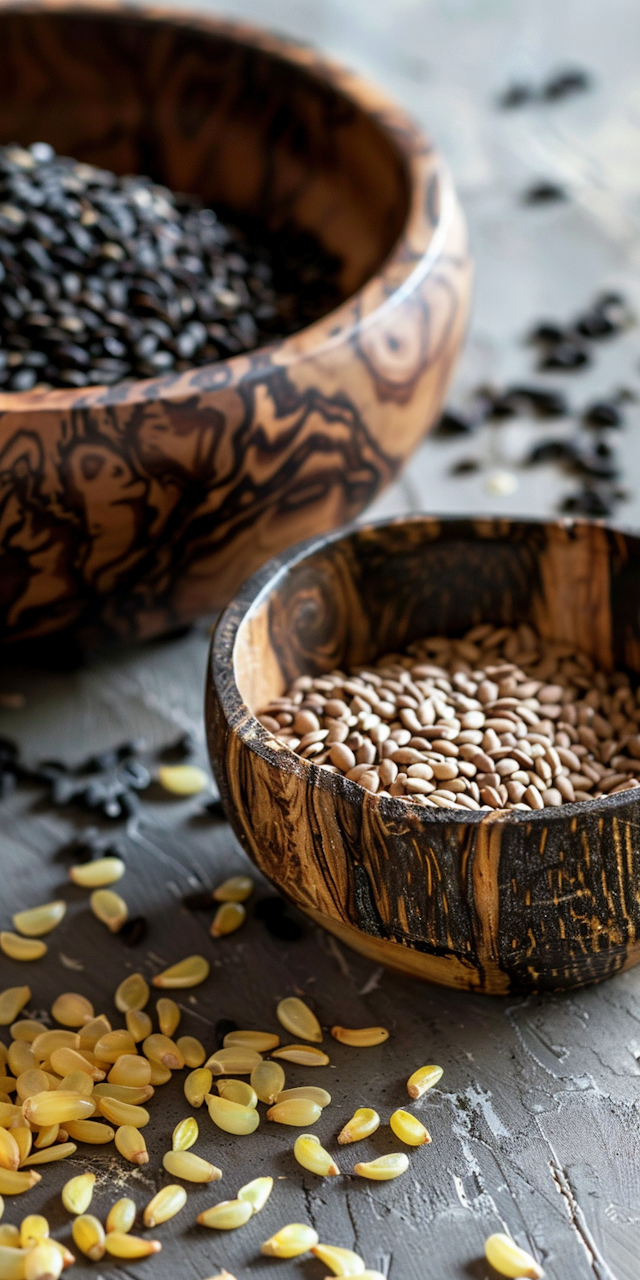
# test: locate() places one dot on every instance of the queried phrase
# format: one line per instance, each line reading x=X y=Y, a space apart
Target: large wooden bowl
x=132 y=509
x=495 y=902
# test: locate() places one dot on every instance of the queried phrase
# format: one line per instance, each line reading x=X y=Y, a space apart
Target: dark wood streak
x=132 y=509
x=493 y=902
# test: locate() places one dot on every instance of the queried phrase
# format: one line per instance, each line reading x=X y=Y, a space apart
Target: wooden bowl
x=494 y=902
x=132 y=509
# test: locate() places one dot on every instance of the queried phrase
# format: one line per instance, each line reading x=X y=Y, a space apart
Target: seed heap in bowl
x=104 y=278
x=500 y=719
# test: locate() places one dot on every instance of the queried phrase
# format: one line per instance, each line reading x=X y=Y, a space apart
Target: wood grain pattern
x=133 y=509
x=493 y=902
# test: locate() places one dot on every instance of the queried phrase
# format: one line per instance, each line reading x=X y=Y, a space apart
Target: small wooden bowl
x=493 y=902
x=133 y=509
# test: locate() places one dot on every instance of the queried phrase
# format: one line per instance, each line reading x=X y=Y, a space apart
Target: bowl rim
x=410 y=260
x=243 y=724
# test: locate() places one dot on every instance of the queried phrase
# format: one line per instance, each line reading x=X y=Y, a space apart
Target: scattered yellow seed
x=360 y=1038
x=197 y=1085
x=122 y=1245
x=256 y=1193
x=88 y=1236
x=341 y=1262
x=297 y=1018
x=132 y=994
x=232 y=1117
x=409 y=1129
x=12 y=1000
x=9 y=1150
x=187 y=973
x=303 y=1054
x=227 y=1215
x=509 y=1260
x=190 y=1167
x=192 y=1051
x=169 y=1015
x=362 y=1124
x=111 y=1046
x=33 y=1228
x=237 y=1091
x=27 y=1029
x=159 y=1074
x=185 y=1134
x=136 y=1096
x=44 y=1261
x=109 y=908
x=24 y=1139
x=47 y=1137
x=182 y=779
x=90 y=1131
x=297 y=1111
x=94 y=1031
x=259 y=1041
x=21 y=1057
x=290 y=1241
x=50 y=1154
x=56 y=1107
x=305 y=1091
x=384 y=1168
x=14 y=1181
x=131 y=1071
x=131 y=1144
x=9 y=1236
x=77 y=1193
x=123 y=1113
x=48 y=1041
x=121 y=1215
x=139 y=1024
x=18 y=948
x=235 y=889
x=268 y=1080
x=311 y=1155
x=165 y=1205
x=66 y=1061
x=160 y=1049
x=95 y=875
x=422 y=1079
x=236 y=1062
x=39 y=920
x=229 y=917
x=8 y=1114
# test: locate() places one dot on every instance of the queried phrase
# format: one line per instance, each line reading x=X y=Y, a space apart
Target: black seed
x=603 y=413
x=545 y=402
x=547 y=332
x=515 y=95
x=223 y=1027
x=183 y=747
x=595 y=324
x=543 y=193
x=552 y=451
x=566 y=356
x=453 y=424
x=464 y=467
x=202 y=901
x=565 y=83
x=588 y=502
x=134 y=931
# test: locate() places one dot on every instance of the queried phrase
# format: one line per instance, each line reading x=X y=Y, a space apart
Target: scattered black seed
x=565 y=356
x=564 y=83
x=543 y=193
x=548 y=332
x=134 y=931
x=215 y=809
x=599 y=461
x=223 y=1027
x=552 y=451
x=181 y=749
x=595 y=325
x=588 y=502
x=464 y=467
x=603 y=413
x=545 y=402
x=199 y=901
x=454 y=424
x=516 y=95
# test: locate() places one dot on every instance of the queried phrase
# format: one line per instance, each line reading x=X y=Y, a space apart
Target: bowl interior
x=375 y=590
x=204 y=112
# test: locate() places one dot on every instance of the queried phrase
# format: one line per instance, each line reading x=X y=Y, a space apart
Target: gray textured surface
x=536 y=1120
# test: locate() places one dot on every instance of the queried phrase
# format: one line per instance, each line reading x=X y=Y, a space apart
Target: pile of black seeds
x=558 y=86
x=104 y=278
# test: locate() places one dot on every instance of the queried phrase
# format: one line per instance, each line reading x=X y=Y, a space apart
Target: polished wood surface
x=130 y=510
x=493 y=902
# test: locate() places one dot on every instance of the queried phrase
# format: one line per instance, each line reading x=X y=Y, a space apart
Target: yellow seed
x=311 y=1155
x=341 y=1262
x=132 y=994
x=159 y=1074
x=227 y=1215
x=259 y=1041
x=64 y=1061
x=12 y=1263
x=190 y=1167
x=14 y=1181
x=27 y=1029
x=21 y=1057
x=268 y=1080
x=131 y=1071
x=9 y=1150
x=185 y=1134
x=361 y=1037
x=12 y=1000
x=46 y=1137
x=94 y=1031
x=9 y=1237
x=94 y=875
x=509 y=1260
x=72 y=1010
x=121 y=1215
x=50 y=1154
x=298 y=1112
x=77 y=1193
x=297 y=1018
x=384 y=1168
x=256 y=1193
x=23 y=1137
x=90 y=1131
x=422 y=1079
x=39 y=920
x=56 y=1107
x=110 y=908
x=409 y=1129
x=197 y=1085
x=111 y=1046
x=290 y=1241
x=7 y=1085
x=48 y=1041
x=160 y=1049
x=182 y=779
x=18 y=948
x=235 y=1062
x=229 y=917
x=362 y=1124
x=123 y=1113
x=192 y=1051
x=139 y=1024
x=121 y=1245
x=33 y=1228
x=305 y=1091
x=169 y=1015
x=237 y=1091
x=131 y=1144
x=8 y=1114
x=44 y=1262
x=77 y=1082
x=136 y=1096
x=303 y=1054
x=187 y=973
x=165 y=1205
x=235 y=889
x=232 y=1117
x=88 y=1236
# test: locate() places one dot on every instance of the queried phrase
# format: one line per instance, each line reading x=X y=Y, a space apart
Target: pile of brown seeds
x=499 y=719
